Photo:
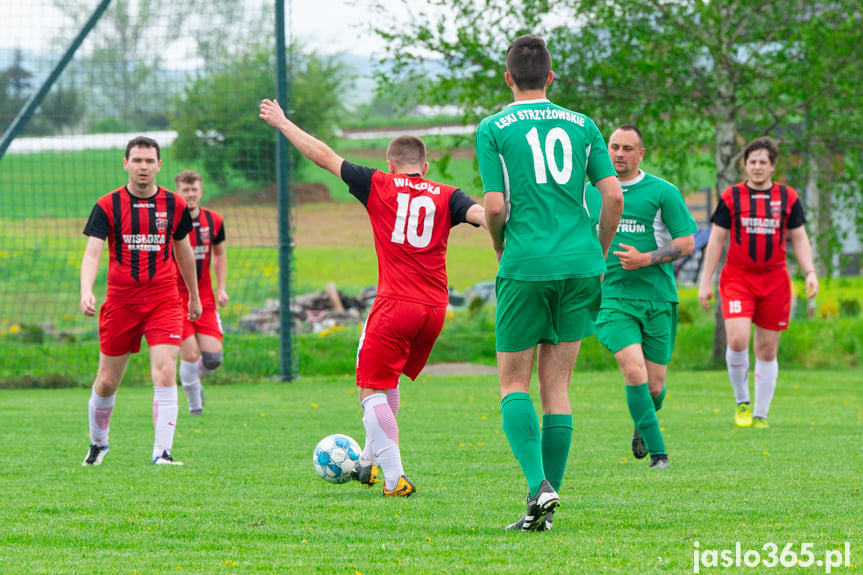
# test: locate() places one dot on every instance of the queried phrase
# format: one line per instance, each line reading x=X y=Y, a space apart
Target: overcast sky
x=326 y=26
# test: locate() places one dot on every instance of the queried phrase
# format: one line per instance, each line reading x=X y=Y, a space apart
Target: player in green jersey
x=638 y=318
x=535 y=159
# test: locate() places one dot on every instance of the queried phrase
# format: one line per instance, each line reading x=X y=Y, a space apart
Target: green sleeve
x=599 y=164
x=488 y=158
x=675 y=214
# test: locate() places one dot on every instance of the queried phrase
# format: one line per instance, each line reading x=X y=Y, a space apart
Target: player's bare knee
x=211 y=359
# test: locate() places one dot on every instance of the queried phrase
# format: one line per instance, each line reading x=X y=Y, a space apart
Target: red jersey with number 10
x=757 y=221
x=140 y=231
x=411 y=218
x=208 y=230
x=411 y=222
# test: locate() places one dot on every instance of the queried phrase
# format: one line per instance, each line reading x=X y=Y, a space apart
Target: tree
x=694 y=75
x=216 y=119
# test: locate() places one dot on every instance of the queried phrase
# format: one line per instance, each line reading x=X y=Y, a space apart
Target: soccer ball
x=335 y=457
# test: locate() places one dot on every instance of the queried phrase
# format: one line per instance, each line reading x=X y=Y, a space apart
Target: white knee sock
x=164 y=418
x=382 y=435
x=202 y=371
x=738 y=373
x=394 y=399
x=191 y=384
x=99 y=410
x=766 y=373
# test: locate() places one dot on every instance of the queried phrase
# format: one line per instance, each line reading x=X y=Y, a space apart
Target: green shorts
x=653 y=324
x=551 y=311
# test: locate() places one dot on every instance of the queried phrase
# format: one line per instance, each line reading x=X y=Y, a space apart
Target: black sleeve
x=722 y=216
x=459 y=204
x=359 y=180
x=796 y=218
x=98 y=225
x=184 y=227
x=220 y=237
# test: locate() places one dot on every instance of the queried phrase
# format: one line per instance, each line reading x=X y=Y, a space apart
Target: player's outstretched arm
x=220 y=267
x=89 y=269
x=476 y=215
x=612 y=208
x=803 y=253
x=186 y=264
x=712 y=253
x=309 y=146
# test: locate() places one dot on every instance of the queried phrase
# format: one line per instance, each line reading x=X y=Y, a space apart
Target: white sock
x=738 y=373
x=191 y=384
x=393 y=399
x=382 y=434
x=99 y=410
x=766 y=373
x=202 y=371
x=164 y=418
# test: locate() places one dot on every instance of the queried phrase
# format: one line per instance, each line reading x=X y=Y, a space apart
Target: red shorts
x=121 y=326
x=209 y=323
x=765 y=298
x=397 y=338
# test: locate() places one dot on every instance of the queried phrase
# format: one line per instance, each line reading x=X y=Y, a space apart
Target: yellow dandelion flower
x=314 y=406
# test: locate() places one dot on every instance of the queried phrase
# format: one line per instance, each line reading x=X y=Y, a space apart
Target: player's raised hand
x=631 y=258
x=88 y=304
x=272 y=113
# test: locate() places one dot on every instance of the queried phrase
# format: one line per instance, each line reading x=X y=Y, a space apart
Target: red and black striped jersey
x=139 y=232
x=757 y=221
x=208 y=230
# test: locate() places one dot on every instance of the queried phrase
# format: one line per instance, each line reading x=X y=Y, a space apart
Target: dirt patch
x=458 y=368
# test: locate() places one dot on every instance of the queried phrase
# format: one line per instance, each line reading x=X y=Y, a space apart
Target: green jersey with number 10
x=541 y=156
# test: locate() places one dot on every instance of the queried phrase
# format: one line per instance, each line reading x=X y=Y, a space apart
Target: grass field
x=248 y=500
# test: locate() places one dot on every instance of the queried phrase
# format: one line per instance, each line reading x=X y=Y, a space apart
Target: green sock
x=644 y=415
x=657 y=401
x=521 y=427
x=556 y=439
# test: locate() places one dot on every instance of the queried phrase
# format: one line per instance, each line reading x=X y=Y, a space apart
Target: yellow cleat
x=760 y=423
x=366 y=472
x=404 y=488
x=743 y=415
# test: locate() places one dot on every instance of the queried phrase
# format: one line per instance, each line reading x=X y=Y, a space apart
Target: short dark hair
x=143 y=142
x=407 y=151
x=187 y=177
x=763 y=143
x=528 y=61
x=632 y=128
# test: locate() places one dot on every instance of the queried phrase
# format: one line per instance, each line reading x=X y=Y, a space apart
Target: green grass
x=248 y=500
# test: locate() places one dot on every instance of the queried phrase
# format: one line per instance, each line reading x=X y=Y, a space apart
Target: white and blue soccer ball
x=335 y=457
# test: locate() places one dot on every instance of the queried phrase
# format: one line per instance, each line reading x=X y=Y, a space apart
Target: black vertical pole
x=20 y=121
x=286 y=348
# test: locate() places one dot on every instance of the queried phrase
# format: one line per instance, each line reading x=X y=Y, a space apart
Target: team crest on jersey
x=205 y=234
x=161 y=224
x=776 y=209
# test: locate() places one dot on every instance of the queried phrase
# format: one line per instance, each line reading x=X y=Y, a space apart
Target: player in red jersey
x=754 y=285
x=146 y=228
x=411 y=218
x=201 y=350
